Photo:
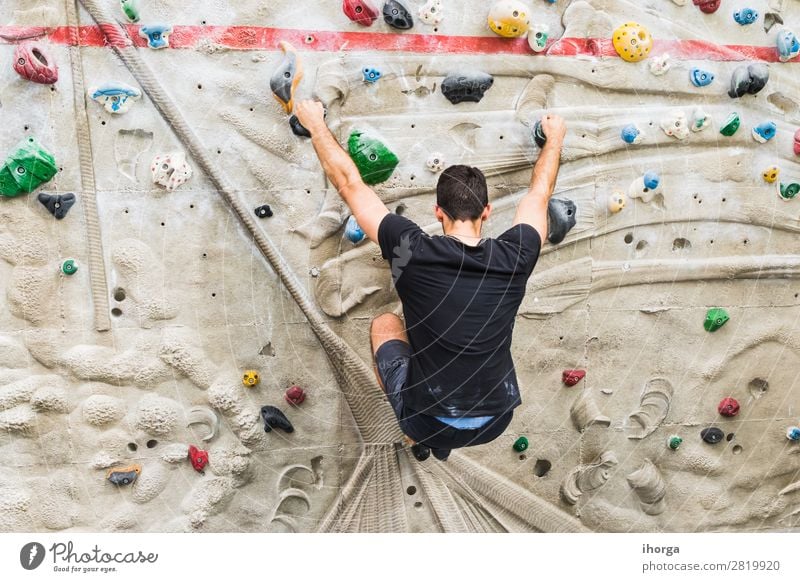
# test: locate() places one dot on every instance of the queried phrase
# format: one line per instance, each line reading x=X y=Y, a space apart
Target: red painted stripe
x=265 y=38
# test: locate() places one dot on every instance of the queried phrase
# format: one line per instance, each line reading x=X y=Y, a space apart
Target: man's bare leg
x=384 y=328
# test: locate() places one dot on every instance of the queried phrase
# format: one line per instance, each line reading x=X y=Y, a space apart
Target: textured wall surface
x=179 y=292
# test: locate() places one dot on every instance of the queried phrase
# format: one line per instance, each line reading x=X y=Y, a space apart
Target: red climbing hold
x=198 y=458
x=295 y=395
x=572 y=377
x=32 y=62
x=707 y=6
x=360 y=11
x=728 y=407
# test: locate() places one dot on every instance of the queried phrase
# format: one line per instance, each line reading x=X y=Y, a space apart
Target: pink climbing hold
x=707 y=6
x=295 y=395
x=32 y=62
x=572 y=377
x=728 y=407
x=797 y=142
x=199 y=458
x=360 y=11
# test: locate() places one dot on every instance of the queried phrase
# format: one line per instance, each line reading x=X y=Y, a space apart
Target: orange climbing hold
x=287 y=76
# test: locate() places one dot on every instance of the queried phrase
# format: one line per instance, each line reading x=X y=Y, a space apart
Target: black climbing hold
x=748 y=79
x=297 y=127
x=396 y=15
x=274 y=418
x=441 y=454
x=421 y=452
x=57 y=204
x=538 y=134
x=712 y=435
x=561 y=217
x=467 y=86
x=263 y=211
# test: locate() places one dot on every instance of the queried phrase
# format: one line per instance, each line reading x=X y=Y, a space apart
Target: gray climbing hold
x=771 y=19
x=286 y=77
x=396 y=15
x=712 y=435
x=466 y=86
x=57 y=204
x=748 y=79
x=561 y=217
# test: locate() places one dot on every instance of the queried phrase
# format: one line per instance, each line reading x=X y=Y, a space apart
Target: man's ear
x=439 y=213
x=486 y=212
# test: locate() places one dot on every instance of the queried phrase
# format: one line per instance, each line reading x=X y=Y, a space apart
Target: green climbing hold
x=715 y=319
x=789 y=191
x=69 y=267
x=375 y=162
x=731 y=125
x=131 y=9
x=521 y=444
x=674 y=442
x=26 y=168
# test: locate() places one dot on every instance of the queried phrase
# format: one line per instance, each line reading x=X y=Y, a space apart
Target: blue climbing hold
x=353 y=232
x=763 y=132
x=157 y=35
x=788 y=45
x=631 y=134
x=651 y=180
x=745 y=16
x=371 y=75
x=700 y=78
x=793 y=433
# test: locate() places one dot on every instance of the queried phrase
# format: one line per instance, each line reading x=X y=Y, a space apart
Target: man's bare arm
x=365 y=205
x=532 y=208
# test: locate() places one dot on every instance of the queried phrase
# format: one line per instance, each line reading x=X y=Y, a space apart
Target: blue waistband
x=465 y=422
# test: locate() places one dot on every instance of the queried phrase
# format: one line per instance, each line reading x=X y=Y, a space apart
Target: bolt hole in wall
x=132 y=447
x=730 y=436
x=116 y=312
x=523 y=457
x=628 y=238
x=119 y=294
x=418 y=504
x=411 y=490
x=737 y=449
x=401 y=209
x=152 y=443
x=542 y=467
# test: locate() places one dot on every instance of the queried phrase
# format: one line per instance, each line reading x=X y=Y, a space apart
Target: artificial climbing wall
x=109 y=373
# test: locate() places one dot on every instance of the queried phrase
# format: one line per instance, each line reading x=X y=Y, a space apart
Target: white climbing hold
x=645 y=187
x=431 y=12
x=170 y=170
x=660 y=64
x=435 y=162
x=700 y=120
x=537 y=37
x=676 y=126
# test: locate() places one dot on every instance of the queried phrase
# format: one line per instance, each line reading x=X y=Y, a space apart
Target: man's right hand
x=554 y=128
x=311 y=115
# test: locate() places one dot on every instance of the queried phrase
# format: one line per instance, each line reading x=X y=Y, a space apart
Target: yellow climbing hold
x=632 y=42
x=509 y=18
x=250 y=378
x=771 y=174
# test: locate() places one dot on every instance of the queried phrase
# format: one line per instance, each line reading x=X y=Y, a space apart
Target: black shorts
x=392 y=360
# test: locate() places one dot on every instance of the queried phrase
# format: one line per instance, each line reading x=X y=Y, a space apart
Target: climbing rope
x=97 y=266
x=373 y=416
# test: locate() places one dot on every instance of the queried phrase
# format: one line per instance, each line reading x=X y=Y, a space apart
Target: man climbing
x=447 y=371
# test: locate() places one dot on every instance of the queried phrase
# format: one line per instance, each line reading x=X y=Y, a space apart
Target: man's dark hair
x=462 y=193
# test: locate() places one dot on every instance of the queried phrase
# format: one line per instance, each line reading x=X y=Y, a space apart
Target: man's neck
x=467 y=232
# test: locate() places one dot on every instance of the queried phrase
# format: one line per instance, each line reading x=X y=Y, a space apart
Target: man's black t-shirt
x=460 y=303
